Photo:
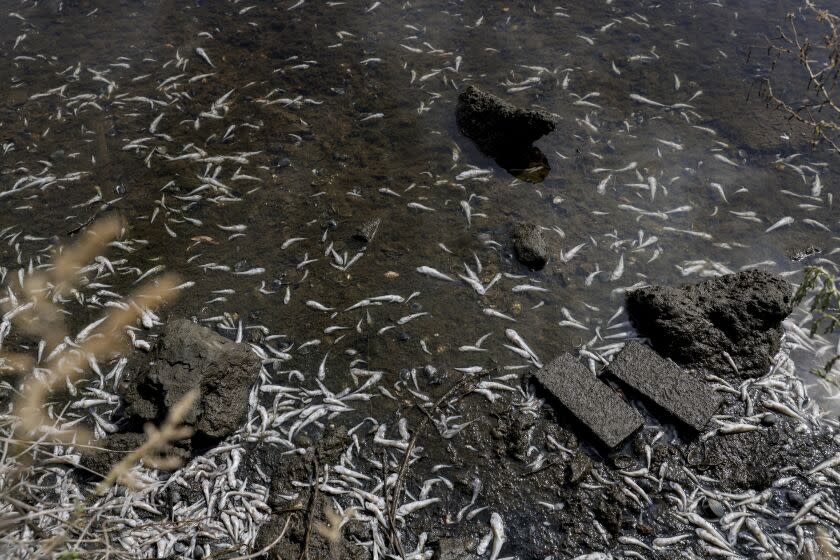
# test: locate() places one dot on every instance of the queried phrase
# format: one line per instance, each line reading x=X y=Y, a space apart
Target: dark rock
x=282 y=162
x=685 y=397
x=110 y=451
x=578 y=468
x=694 y=325
x=769 y=419
x=609 y=509
x=530 y=245
x=590 y=402
x=367 y=230
x=756 y=459
x=714 y=508
x=796 y=499
x=188 y=356
x=513 y=432
x=498 y=127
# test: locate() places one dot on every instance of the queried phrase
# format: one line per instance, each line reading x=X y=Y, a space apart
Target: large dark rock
x=189 y=356
x=498 y=127
x=530 y=245
x=694 y=325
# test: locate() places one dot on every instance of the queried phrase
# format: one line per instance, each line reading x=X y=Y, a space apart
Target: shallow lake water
x=246 y=142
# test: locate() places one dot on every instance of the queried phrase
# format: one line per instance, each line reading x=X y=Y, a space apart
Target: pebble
x=715 y=508
x=769 y=419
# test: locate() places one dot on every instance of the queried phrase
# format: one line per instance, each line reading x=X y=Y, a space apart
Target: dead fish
x=407 y=318
x=418 y=206
x=155 y=123
x=567 y=256
x=602 y=186
x=719 y=188
x=674 y=145
x=490 y=312
x=816 y=187
x=318 y=306
x=498 y=527
x=514 y=337
x=434 y=273
x=528 y=288
x=645 y=100
x=288 y=242
x=726 y=160
x=619 y=269
x=322 y=368
x=472 y=173
x=786 y=221
x=203 y=54
x=238 y=228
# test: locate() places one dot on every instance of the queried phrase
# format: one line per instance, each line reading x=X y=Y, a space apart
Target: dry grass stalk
x=156 y=440
x=38 y=315
x=33 y=306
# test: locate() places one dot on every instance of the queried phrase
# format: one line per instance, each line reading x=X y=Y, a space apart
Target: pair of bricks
x=638 y=367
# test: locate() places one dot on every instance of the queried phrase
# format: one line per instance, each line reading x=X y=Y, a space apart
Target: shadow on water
x=529 y=165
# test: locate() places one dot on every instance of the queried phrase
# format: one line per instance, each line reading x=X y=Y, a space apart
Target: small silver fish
x=786 y=221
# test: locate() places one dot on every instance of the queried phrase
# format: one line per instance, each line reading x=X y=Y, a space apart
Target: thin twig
x=310 y=516
x=403 y=470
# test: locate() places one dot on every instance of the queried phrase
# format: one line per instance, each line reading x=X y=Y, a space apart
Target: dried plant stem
x=403 y=470
x=310 y=516
x=822 y=73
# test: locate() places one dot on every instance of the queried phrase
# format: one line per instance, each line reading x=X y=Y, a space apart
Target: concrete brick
x=684 y=396
x=590 y=401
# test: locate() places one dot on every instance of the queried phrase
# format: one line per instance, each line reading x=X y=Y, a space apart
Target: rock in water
x=530 y=245
x=498 y=127
x=694 y=325
x=189 y=356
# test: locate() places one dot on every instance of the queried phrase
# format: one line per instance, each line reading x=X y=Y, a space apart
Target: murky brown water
x=342 y=63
